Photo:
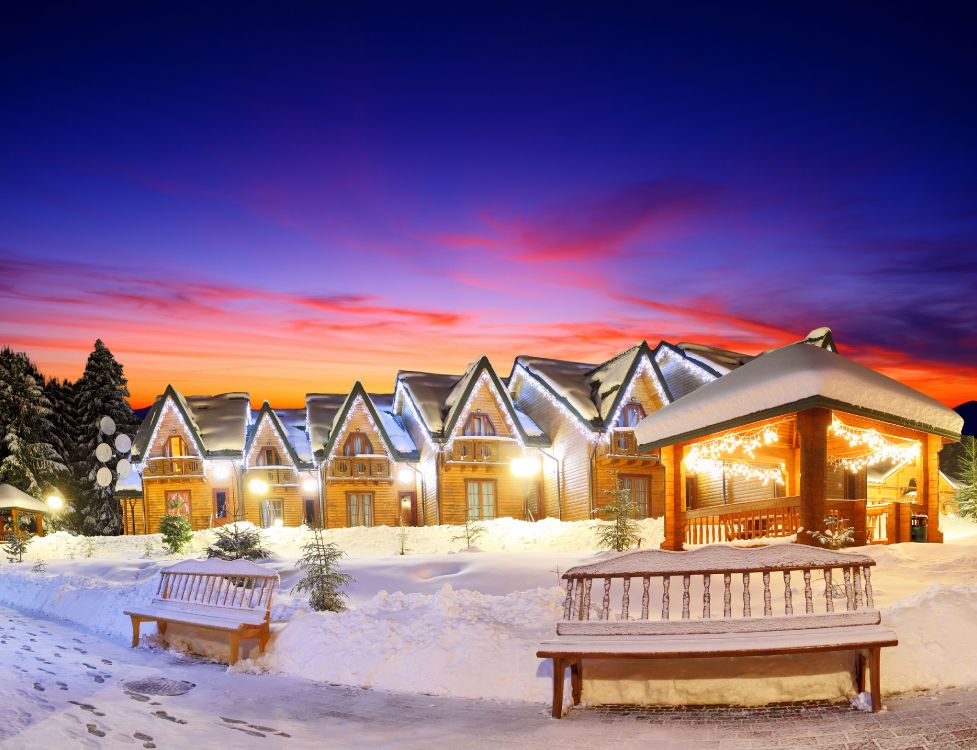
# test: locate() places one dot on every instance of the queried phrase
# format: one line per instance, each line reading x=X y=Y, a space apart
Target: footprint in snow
x=164 y=715
x=147 y=741
x=62 y=685
x=92 y=729
x=106 y=661
x=137 y=697
x=87 y=707
x=38 y=686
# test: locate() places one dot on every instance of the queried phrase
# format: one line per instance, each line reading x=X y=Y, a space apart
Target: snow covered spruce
x=438 y=619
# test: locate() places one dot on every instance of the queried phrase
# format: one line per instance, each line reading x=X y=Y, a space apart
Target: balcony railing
x=166 y=467
x=623 y=443
x=359 y=467
x=776 y=517
x=483 y=451
x=272 y=476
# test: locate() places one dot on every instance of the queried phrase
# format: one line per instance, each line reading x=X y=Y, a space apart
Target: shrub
x=470 y=533
x=237 y=541
x=176 y=532
x=322 y=578
x=16 y=545
x=835 y=534
x=623 y=531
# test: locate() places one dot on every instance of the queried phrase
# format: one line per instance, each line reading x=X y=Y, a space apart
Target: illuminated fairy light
x=696 y=369
x=404 y=399
x=485 y=381
x=745 y=443
x=765 y=474
x=168 y=406
x=358 y=404
x=878 y=447
x=574 y=419
x=283 y=449
x=643 y=367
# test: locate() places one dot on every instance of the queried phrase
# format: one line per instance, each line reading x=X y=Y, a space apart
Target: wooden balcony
x=272 y=476
x=476 y=450
x=360 y=467
x=775 y=517
x=170 y=467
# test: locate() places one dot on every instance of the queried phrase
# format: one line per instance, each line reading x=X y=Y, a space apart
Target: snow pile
x=459 y=643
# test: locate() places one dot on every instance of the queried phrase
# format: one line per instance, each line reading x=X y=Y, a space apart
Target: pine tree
x=966 y=496
x=622 y=532
x=100 y=392
x=16 y=545
x=64 y=439
x=28 y=460
x=835 y=535
x=322 y=578
x=176 y=532
x=238 y=541
x=470 y=533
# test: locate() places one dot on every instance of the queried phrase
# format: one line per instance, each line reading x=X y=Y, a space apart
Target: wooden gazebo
x=14 y=503
x=784 y=442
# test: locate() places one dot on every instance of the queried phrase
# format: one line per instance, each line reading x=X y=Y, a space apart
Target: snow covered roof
x=292 y=433
x=592 y=392
x=327 y=411
x=441 y=399
x=720 y=360
x=794 y=377
x=11 y=497
x=219 y=423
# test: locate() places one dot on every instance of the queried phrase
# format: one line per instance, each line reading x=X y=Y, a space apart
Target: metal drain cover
x=159 y=686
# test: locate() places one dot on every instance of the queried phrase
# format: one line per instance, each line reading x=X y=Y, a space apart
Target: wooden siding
x=386 y=507
x=201 y=489
x=509 y=501
x=681 y=381
x=482 y=400
x=171 y=424
x=359 y=421
x=427 y=490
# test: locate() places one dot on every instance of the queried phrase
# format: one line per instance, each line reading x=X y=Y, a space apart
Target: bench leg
x=235 y=647
x=559 y=667
x=860 y=666
x=135 y=630
x=263 y=637
x=876 y=659
x=576 y=680
x=161 y=627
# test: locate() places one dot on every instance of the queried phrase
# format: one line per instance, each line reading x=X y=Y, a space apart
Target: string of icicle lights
x=879 y=447
x=713 y=455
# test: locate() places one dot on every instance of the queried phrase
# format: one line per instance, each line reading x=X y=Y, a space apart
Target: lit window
x=631 y=414
x=269 y=457
x=176 y=447
x=478 y=425
x=357 y=444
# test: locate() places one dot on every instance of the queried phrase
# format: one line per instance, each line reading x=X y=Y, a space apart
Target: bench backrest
x=635 y=594
x=237 y=584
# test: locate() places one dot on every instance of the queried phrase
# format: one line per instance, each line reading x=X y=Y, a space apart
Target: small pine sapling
x=835 y=535
x=89 y=547
x=966 y=496
x=623 y=532
x=176 y=532
x=322 y=578
x=16 y=545
x=402 y=539
x=149 y=548
x=238 y=541
x=470 y=533
x=39 y=566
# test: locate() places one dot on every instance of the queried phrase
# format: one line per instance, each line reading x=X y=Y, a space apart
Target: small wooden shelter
x=14 y=504
x=784 y=442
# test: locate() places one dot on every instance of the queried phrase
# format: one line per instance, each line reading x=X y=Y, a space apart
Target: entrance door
x=222 y=509
x=408 y=508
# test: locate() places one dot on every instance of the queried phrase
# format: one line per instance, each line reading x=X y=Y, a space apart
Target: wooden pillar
x=39 y=524
x=928 y=485
x=859 y=521
x=812 y=429
x=671 y=458
x=905 y=522
x=14 y=527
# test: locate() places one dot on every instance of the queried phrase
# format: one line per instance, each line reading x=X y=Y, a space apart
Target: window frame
x=481 y=499
x=188 y=504
x=227 y=503
x=263 y=456
x=644 y=478
x=360 y=515
x=631 y=406
x=484 y=420
x=357 y=434
x=168 y=447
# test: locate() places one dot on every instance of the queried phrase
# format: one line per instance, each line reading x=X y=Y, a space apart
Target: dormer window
x=357 y=444
x=479 y=425
x=269 y=457
x=176 y=447
x=631 y=414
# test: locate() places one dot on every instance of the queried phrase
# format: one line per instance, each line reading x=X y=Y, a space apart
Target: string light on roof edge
x=484 y=379
x=573 y=418
x=644 y=365
x=764 y=473
x=735 y=442
x=880 y=447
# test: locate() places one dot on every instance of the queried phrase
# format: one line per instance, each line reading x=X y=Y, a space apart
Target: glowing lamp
x=405 y=476
x=524 y=467
x=221 y=471
x=55 y=503
x=309 y=485
x=257 y=487
x=278 y=523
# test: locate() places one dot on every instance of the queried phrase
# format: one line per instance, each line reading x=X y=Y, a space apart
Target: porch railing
x=774 y=517
x=164 y=467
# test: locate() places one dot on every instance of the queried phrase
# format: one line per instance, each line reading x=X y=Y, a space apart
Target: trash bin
x=918 y=528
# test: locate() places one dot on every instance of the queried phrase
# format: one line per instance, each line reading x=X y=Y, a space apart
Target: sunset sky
x=285 y=202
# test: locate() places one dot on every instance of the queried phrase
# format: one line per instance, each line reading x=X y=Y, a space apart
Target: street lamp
x=258 y=487
x=55 y=503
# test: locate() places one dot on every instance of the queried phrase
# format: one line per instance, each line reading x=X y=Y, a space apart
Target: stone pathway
x=67 y=688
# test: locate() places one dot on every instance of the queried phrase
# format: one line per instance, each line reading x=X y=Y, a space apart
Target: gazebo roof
x=790 y=379
x=11 y=497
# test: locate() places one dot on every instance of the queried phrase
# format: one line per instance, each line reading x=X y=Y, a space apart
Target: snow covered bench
x=229 y=596
x=836 y=613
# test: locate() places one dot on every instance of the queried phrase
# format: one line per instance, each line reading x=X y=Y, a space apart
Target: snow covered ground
x=441 y=621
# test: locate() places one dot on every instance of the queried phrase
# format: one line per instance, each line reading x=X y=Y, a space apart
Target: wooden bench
x=231 y=597
x=661 y=624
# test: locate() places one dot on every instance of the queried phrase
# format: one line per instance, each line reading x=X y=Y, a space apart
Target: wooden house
x=190 y=453
x=589 y=411
x=784 y=442
x=365 y=460
x=480 y=455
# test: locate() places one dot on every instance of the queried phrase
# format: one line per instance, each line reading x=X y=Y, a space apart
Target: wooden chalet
x=590 y=412
x=786 y=440
x=480 y=455
x=365 y=459
x=190 y=453
x=15 y=506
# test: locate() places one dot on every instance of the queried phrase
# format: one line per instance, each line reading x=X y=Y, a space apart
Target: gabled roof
x=593 y=392
x=217 y=424
x=682 y=373
x=266 y=412
x=441 y=399
x=795 y=377
x=327 y=412
x=11 y=497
